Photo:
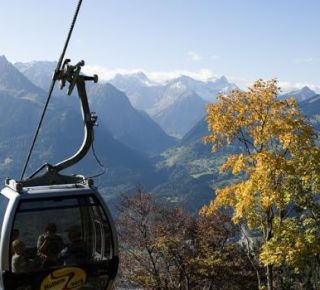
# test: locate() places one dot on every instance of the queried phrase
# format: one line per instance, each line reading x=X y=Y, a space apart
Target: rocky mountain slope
x=60 y=136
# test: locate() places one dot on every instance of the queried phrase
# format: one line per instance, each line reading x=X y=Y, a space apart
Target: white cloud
x=161 y=76
x=107 y=74
x=285 y=86
x=293 y=86
x=241 y=82
x=203 y=74
x=194 y=56
x=157 y=76
x=307 y=60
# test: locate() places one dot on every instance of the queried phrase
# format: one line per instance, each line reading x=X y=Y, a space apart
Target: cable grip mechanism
x=70 y=74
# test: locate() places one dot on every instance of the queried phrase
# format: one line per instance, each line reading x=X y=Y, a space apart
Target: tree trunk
x=269 y=277
x=269 y=221
x=250 y=255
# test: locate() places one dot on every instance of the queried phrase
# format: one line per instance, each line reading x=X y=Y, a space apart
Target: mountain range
x=300 y=95
x=178 y=110
x=128 y=125
x=38 y=72
x=129 y=141
x=176 y=105
x=142 y=92
x=20 y=113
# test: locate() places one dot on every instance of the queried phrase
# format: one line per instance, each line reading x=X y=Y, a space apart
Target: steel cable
x=52 y=86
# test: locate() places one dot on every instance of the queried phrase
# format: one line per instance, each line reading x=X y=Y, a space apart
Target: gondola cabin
x=56 y=230
x=56 y=237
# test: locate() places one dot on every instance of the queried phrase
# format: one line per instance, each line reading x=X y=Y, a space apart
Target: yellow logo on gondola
x=70 y=278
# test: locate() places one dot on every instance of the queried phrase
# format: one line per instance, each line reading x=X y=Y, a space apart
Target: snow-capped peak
x=301 y=94
x=137 y=78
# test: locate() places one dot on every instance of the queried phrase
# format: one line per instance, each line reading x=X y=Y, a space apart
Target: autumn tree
x=280 y=175
x=163 y=247
x=140 y=263
x=221 y=263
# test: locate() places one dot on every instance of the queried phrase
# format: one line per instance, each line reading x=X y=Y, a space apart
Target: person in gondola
x=19 y=261
x=49 y=245
x=75 y=252
x=14 y=236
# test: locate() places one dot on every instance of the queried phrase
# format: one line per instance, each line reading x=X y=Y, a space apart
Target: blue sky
x=241 y=39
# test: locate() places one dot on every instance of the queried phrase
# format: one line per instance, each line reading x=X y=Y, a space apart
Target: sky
x=242 y=39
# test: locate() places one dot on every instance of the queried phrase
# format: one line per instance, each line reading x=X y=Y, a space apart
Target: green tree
x=279 y=165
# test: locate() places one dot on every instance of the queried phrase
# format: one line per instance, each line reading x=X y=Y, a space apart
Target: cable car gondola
x=56 y=230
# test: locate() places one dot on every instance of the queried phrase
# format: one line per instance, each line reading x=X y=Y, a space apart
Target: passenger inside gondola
x=75 y=252
x=20 y=263
x=62 y=231
x=14 y=236
x=49 y=245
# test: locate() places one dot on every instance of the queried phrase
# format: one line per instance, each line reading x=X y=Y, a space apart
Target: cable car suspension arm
x=69 y=74
x=72 y=75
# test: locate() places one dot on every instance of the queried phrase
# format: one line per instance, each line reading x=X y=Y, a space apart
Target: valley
x=149 y=134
